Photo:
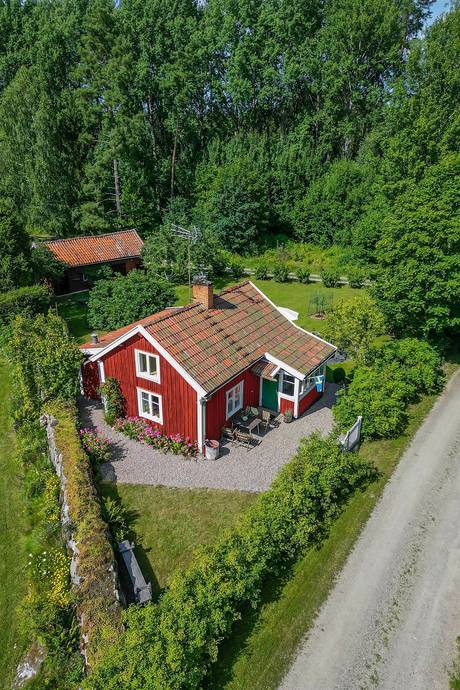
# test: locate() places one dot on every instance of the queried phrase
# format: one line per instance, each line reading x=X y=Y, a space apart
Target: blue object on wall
x=319 y=381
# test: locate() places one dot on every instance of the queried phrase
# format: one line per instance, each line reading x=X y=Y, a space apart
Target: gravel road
x=392 y=619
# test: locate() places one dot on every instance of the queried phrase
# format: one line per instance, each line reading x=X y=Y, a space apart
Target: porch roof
x=265 y=369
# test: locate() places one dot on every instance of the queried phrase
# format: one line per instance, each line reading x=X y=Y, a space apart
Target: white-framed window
x=147 y=366
x=234 y=399
x=149 y=405
x=309 y=383
x=287 y=384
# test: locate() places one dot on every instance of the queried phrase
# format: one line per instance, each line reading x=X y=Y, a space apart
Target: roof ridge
x=233 y=287
x=83 y=237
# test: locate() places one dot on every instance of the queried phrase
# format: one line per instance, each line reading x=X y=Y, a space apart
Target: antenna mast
x=191 y=235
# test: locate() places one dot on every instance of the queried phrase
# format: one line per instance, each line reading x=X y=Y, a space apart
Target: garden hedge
x=27 y=301
x=172 y=644
x=98 y=609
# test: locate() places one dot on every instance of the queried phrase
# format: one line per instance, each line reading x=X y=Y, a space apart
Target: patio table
x=250 y=424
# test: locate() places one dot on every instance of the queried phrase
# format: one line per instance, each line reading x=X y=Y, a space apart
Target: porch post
x=296 y=397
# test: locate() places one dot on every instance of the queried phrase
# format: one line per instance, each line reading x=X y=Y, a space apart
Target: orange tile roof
x=213 y=345
x=96 y=249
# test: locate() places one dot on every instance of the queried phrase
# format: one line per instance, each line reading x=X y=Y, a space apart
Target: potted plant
x=288 y=416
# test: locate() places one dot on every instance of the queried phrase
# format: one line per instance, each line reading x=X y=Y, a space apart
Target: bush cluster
x=398 y=373
x=140 y=430
x=281 y=273
x=114 y=403
x=303 y=275
x=27 y=301
x=330 y=278
x=97 y=606
x=96 y=446
x=173 y=644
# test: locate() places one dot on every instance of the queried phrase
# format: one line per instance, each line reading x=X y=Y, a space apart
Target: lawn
x=12 y=530
x=73 y=309
x=167 y=525
x=264 y=642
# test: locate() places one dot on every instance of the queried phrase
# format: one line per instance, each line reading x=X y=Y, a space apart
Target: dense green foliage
x=46 y=362
x=27 y=301
x=353 y=326
x=334 y=122
x=118 y=301
x=114 y=403
x=380 y=391
x=172 y=644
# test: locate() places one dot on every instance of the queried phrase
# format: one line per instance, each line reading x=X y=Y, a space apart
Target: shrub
x=118 y=301
x=261 y=272
x=303 y=274
x=114 y=403
x=281 y=273
x=236 y=269
x=114 y=513
x=330 y=278
x=417 y=359
x=95 y=445
x=172 y=644
x=27 y=301
x=338 y=374
x=379 y=395
x=353 y=326
x=140 y=430
x=46 y=360
x=356 y=277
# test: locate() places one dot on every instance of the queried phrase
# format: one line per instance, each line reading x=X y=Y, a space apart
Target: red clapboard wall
x=179 y=399
x=309 y=399
x=286 y=405
x=91 y=381
x=216 y=406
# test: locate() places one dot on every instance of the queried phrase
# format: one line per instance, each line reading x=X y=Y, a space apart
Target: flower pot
x=211 y=449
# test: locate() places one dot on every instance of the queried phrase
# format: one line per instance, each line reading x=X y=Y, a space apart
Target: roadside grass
x=13 y=525
x=168 y=525
x=264 y=642
x=296 y=254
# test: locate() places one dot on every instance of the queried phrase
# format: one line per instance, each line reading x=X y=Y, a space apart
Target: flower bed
x=140 y=430
x=96 y=446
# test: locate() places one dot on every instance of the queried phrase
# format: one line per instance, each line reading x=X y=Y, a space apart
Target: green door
x=270 y=394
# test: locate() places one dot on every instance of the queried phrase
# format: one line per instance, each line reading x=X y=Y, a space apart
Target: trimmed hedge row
x=98 y=609
x=28 y=301
x=171 y=645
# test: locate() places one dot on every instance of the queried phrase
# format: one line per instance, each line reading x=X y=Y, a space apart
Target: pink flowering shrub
x=96 y=446
x=140 y=430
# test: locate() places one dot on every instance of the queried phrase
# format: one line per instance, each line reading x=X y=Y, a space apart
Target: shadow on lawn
x=109 y=489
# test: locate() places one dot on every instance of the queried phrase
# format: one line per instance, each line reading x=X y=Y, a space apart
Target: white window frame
x=152 y=418
x=142 y=374
x=283 y=395
x=231 y=394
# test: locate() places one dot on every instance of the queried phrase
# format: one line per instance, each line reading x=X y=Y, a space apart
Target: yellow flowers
x=50 y=571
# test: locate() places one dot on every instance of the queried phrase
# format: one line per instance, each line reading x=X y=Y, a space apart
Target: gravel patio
x=236 y=469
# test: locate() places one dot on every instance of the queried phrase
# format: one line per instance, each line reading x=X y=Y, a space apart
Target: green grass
x=167 y=525
x=12 y=530
x=295 y=254
x=263 y=643
x=74 y=309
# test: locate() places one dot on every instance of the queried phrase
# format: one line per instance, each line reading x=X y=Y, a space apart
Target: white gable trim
x=286 y=367
x=169 y=358
x=291 y=322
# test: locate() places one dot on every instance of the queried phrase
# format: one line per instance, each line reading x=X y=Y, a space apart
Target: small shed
x=120 y=250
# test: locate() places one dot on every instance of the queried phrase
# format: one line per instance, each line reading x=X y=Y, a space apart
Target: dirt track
x=393 y=617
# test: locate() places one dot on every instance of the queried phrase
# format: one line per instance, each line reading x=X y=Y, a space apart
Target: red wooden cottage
x=120 y=250
x=190 y=369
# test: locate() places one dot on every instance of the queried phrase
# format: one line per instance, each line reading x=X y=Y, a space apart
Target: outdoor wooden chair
x=245 y=439
x=276 y=420
x=228 y=434
x=265 y=417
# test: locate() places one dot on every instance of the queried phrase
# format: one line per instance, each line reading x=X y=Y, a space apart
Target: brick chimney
x=202 y=291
